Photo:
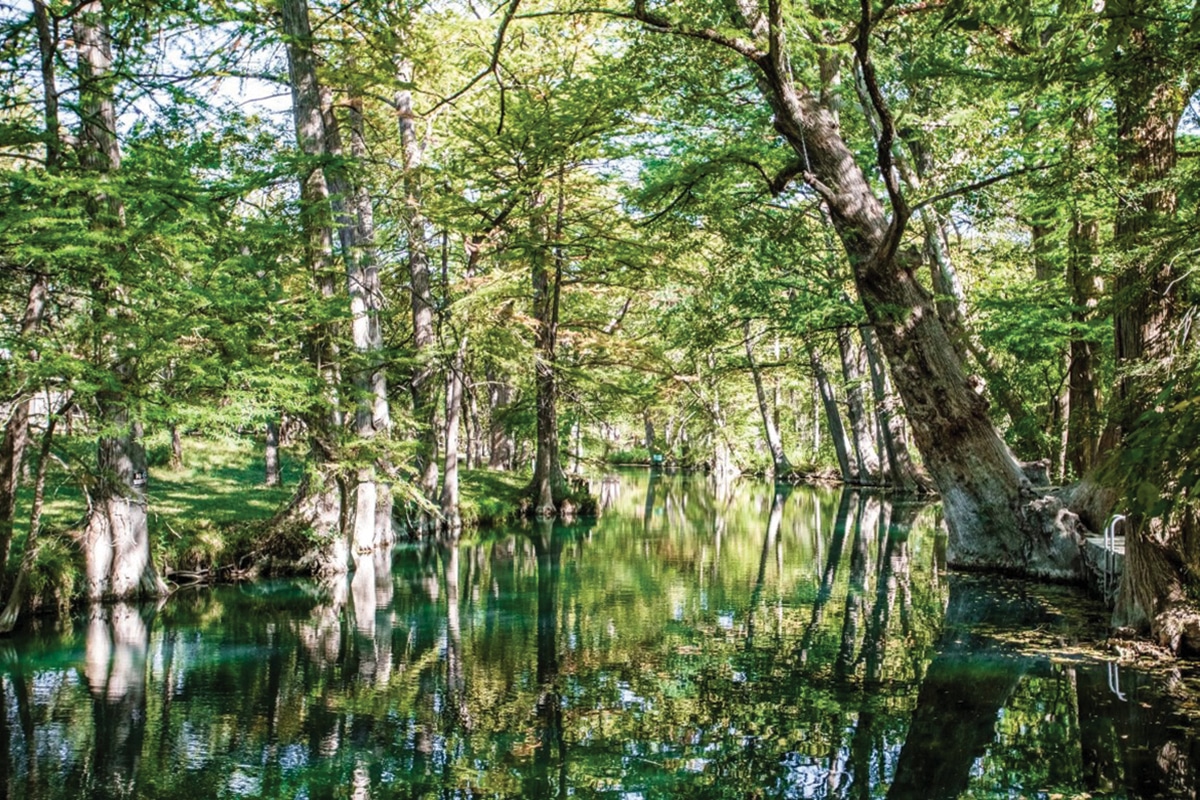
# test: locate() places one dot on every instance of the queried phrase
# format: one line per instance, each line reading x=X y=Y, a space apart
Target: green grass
x=204 y=514
x=489 y=498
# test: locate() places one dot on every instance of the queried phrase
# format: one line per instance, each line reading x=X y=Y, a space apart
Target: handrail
x=1110 y=550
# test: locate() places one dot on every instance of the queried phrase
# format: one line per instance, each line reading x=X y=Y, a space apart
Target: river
x=691 y=643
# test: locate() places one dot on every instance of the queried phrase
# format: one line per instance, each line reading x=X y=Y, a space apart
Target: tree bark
x=1149 y=296
x=318 y=500
x=502 y=448
x=423 y=384
x=451 y=518
x=905 y=475
x=1083 y=411
x=833 y=417
x=16 y=430
x=272 y=453
x=866 y=467
x=779 y=460
x=351 y=202
x=549 y=481
x=16 y=598
x=116 y=539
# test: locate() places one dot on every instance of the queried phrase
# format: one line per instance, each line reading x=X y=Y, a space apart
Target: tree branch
x=887 y=132
x=981 y=184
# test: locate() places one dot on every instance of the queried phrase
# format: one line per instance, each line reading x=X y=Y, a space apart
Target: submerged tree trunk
x=779 y=459
x=115 y=538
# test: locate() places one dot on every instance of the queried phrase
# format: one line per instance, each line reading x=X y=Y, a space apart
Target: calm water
x=759 y=645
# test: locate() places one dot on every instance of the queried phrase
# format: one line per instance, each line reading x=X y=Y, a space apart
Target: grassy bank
x=207 y=513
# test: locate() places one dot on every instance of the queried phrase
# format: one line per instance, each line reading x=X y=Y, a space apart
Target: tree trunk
x=779 y=460
x=866 y=466
x=16 y=430
x=1150 y=298
x=502 y=448
x=904 y=473
x=423 y=385
x=318 y=501
x=454 y=405
x=833 y=418
x=176 y=462
x=351 y=202
x=1083 y=420
x=272 y=453
x=982 y=486
x=549 y=482
x=116 y=540
x=648 y=425
x=16 y=599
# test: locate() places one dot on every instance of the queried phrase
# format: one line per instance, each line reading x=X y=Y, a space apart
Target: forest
x=286 y=279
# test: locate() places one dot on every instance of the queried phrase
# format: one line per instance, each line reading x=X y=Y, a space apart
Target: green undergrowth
x=489 y=498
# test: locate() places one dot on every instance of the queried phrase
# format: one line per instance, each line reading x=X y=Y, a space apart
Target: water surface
x=750 y=643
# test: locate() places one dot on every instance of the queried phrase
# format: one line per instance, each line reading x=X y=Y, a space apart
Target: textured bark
x=981 y=484
x=272 y=454
x=833 y=418
x=351 y=203
x=1149 y=302
x=115 y=538
x=779 y=459
x=501 y=448
x=549 y=481
x=16 y=598
x=16 y=430
x=1083 y=412
x=423 y=383
x=866 y=467
x=904 y=473
x=454 y=405
x=317 y=503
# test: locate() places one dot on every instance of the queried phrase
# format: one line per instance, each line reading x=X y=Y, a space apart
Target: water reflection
x=764 y=642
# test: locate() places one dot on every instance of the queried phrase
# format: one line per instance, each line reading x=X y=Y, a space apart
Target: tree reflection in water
x=762 y=642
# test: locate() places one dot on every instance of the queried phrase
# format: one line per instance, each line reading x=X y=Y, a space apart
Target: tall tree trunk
x=16 y=430
x=454 y=405
x=903 y=471
x=501 y=448
x=1149 y=295
x=1083 y=420
x=16 y=598
x=116 y=539
x=833 y=418
x=866 y=457
x=549 y=481
x=779 y=459
x=981 y=484
x=318 y=499
x=351 y=201
x=423 y=385
x=272 y=453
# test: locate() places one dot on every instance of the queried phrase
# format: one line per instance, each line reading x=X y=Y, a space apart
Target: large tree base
x=306 y=537
x=1046 y=544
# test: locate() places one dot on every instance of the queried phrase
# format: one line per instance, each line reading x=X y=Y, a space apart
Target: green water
x=687 y=644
